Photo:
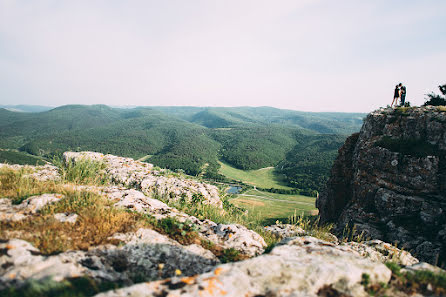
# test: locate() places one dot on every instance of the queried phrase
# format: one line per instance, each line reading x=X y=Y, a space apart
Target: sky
x=310 y=55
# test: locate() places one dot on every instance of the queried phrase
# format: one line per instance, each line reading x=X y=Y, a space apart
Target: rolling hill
x=301 y=145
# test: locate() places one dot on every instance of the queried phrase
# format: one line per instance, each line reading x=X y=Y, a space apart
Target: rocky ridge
x=147 y=263
x=390 y=181
x=143 y=176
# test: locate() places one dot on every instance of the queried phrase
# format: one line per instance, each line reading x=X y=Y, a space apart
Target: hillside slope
x=188 y=138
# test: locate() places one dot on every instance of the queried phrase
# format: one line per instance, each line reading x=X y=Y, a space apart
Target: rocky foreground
x=390 y=181
x=149 y=262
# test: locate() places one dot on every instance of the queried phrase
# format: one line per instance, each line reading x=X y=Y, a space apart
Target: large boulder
x=390 y=181
x=303 y=266
x=143 y=255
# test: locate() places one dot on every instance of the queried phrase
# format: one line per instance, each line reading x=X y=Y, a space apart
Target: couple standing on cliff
x=400 y=93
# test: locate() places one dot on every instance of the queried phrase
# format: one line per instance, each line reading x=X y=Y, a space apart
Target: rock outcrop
x=390 y=181
x=302 y=266
x=151 y=259
x=234 y=236
x=142 y=176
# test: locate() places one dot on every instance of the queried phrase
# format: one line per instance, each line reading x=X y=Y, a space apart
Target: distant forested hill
x=26 y=108
x=301 y=145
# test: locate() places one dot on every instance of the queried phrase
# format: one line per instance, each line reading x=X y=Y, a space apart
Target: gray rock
x=32 y=205
x=141 y=176
x=385 y=190
x=299 y=267
x=235 y=236
x=377 y=250
x=285 y=230
x=21 y=262
x=145 y=255
x=66 y=217
x=423 y=266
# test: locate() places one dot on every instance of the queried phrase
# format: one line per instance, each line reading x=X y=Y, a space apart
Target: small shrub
x=365 y=279
x=184 y=233
x=394 y=267
x=230 y=255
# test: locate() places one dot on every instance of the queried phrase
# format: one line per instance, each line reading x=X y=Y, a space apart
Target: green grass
x=263 y=178
x=418 y=281
x=270 y=207
x=83 y=171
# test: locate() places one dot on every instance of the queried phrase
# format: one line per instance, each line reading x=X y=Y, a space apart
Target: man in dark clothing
x=403 y=95
x=396 y=94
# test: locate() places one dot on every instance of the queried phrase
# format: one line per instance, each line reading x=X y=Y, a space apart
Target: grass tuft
x=184 y=233
x=311 y=226
x=83 y=171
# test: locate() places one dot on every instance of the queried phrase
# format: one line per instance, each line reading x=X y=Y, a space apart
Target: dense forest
x=302 y=146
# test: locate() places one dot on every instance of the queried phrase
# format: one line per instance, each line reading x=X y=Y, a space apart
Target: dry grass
x=97 y=221
x=312 y=227
x=19 y=185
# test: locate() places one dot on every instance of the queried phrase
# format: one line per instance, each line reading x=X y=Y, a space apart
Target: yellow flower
x=177 y=272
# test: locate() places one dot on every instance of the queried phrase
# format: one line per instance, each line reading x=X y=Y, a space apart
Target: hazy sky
x=298 y=54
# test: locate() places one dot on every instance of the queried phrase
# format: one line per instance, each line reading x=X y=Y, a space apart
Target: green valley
x=300 y=146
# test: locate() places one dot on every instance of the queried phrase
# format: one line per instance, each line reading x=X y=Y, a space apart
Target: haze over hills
x=301 y=144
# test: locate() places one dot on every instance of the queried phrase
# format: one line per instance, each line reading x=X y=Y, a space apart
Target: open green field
x=263 y=178
x=271 y=207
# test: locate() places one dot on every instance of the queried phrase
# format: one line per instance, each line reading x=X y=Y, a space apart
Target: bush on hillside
x=436 y=100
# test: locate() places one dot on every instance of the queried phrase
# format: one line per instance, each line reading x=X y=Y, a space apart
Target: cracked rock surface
x=301 y=266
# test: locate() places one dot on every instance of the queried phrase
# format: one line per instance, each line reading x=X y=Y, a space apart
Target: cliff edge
x=390 y=181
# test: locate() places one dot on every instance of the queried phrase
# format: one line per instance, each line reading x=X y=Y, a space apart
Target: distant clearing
x=145 y=158
x=270 y=207
x=263 y=178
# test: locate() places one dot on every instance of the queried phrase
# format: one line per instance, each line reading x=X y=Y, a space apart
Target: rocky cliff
x=390 y=181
